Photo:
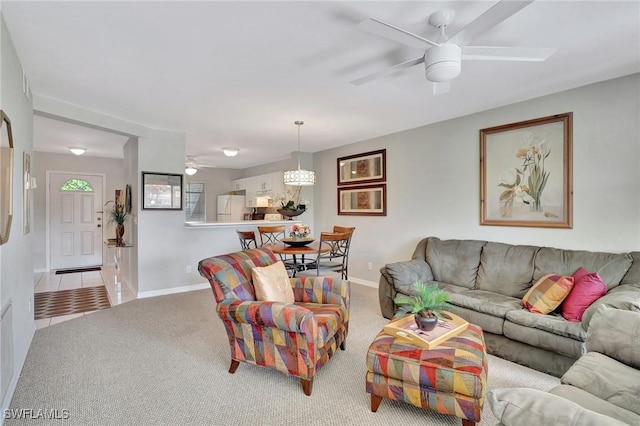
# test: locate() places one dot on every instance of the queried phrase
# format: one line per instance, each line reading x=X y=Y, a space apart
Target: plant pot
x=426 y=323
x=119 y=235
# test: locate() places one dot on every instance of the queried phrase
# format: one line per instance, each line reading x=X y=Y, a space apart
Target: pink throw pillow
x=579 y=273
x=586 y=290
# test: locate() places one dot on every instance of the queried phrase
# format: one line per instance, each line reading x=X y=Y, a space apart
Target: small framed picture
x=365 y=200
x=161 y=191
x=357 y=169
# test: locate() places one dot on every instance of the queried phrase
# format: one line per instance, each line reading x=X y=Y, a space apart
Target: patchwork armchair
x=294 y=338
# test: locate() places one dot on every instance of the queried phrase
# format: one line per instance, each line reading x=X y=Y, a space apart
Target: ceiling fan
x=442 y=58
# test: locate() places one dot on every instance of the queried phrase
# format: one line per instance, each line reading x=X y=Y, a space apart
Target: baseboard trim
x=363 y=282
x=172 y=290
x=40 y=270
x=16 y=375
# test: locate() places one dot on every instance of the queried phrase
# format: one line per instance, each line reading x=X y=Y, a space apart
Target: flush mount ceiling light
x=191 y=167
x=78 y=151
x=230 y=152
x=299 y=177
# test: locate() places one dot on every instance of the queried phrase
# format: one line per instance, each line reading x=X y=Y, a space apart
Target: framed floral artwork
x=362 y=168
x=365 y=200
x=526 y=173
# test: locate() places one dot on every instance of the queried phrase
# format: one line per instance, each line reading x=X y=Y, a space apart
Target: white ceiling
x=239 y=73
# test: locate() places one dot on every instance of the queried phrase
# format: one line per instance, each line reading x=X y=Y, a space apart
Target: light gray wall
x=433 y=179
x=16 y=265
x=46 y=161
x=217 y=182
x=161 y=238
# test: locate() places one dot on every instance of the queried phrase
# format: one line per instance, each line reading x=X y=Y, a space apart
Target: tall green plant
x=428 y=299
x=116 y=214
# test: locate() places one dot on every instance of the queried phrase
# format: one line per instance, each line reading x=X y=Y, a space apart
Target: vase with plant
x=424 y=304
x=117 y=215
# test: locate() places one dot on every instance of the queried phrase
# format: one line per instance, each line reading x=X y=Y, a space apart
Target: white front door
x=75 y=220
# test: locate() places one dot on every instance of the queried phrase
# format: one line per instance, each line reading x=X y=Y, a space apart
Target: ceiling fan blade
x=441 y=87
x=494 y=53
x=492 y=17
x=383 y=29
x=387 y=71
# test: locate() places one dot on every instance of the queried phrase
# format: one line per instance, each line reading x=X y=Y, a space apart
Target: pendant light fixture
x=190 y=166
x=299 y=177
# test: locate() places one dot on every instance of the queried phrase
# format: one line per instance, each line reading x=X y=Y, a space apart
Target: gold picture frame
x=367 y=167
x=365 y=200
x=526 y=173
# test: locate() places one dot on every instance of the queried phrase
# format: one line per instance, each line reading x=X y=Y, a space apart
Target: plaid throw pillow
x=547 y=293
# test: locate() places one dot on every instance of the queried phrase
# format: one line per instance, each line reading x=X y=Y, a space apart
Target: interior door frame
x=48 y=208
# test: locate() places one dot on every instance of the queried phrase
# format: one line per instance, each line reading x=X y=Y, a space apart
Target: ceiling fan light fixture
x=191 y=167
x=78 y=151
x=443 y=63
x=299 y=177
x=230 y=152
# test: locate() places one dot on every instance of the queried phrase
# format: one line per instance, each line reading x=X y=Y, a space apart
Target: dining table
x=298 y=251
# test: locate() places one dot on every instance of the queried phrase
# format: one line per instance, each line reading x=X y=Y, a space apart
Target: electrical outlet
x=370 y=266
x=188 y=269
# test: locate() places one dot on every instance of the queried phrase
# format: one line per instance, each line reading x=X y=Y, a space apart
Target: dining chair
x=294 y=338
x=334 y=261
x=271 y=234
x=246 y=239
x=274 y=235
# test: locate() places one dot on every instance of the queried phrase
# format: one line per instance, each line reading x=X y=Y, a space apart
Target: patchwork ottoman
x=450 y=378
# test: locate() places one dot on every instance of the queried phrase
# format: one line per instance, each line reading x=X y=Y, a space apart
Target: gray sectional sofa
x=600 y=389
x=487 y=280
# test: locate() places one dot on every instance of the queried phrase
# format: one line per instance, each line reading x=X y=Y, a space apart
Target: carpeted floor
x=65 y=302
x=164 y=360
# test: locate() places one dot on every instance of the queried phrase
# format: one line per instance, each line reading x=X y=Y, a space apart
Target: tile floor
x=49 y=281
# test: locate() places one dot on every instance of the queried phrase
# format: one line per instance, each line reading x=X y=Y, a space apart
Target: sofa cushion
x=506 y=269
x=454 y=261
x=606 y=379
x=633 y=274
x=585 y=399
x=610 y=266
x=547 y=293
x=587 y=288
x=552 y=323
x=624 y=297
x=532 y=407
x=544 y=339
x=486 y=302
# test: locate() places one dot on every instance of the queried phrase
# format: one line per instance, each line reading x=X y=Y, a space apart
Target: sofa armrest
x=267 y=314
x=532 y=407
x=400 y=277
x=625 y=297
x=616 y=334
x=406 y=273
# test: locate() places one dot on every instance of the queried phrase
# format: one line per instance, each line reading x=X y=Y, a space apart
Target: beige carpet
x=164 y=360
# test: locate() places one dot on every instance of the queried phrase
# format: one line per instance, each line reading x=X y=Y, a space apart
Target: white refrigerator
x=231 y=208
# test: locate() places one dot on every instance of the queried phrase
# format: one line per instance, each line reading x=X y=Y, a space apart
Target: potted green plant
x=118 y=215
x=425 y=305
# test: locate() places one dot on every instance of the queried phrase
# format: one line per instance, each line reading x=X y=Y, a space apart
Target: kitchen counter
x=239 y=224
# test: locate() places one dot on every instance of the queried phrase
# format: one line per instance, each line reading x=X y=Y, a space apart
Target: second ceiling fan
x=442 y=58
